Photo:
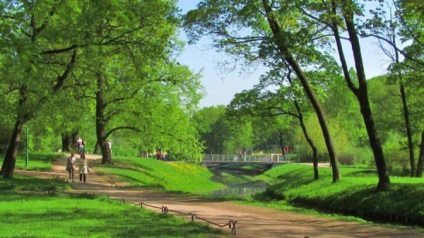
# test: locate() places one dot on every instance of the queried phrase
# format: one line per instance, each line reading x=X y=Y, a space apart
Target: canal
x=240 y=180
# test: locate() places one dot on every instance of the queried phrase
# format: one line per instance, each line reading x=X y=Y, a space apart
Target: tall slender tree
x=261 y=23
x=361 y=92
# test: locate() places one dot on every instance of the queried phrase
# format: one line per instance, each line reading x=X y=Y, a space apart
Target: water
x=241 y=183
x=241 y=190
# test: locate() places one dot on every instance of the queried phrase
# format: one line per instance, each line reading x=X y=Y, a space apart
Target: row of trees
x=95 y=67
x=294 y=40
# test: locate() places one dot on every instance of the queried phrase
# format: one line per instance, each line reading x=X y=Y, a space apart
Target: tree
x=220 y=133
x=410 y=18
x=420 y=164
x=264 y=35
x=128 y=58
x=337 y=16
x=206 y=121
x=37 y=61
x=41 y=40
x=275 y=109
x=384 y=25
x=360 y=91
x=398 y=27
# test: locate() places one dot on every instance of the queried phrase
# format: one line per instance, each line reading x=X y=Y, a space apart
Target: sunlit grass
x=36 y=161
x=170 y=176
x=354 y=195
x=32 y=207
x=32 y=215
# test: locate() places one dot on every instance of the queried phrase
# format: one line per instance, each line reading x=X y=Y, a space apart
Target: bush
x=346 y=159
x=396 y=155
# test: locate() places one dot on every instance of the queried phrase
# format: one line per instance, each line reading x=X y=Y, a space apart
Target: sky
x=221 y=86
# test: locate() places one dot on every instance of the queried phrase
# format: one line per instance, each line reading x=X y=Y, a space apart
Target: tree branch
x=132 y=128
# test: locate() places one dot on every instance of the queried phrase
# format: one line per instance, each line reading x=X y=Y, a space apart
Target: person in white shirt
x=83 y=168
x=79 y=143
x=109 y=144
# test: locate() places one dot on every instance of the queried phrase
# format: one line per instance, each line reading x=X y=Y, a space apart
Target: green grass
x=169 y=176
x=354 y=195
x=27 y=210
x=25 y=183
x=31 y=215
x=36 y=161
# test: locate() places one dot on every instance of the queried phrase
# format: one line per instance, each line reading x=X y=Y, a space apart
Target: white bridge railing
x=273 y=158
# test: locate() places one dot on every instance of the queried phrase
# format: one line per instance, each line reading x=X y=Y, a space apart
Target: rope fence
x=231 y=224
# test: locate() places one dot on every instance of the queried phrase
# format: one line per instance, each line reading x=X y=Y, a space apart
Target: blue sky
x=221 y=86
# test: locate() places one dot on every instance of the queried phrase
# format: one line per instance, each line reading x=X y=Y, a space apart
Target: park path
x=251 y=221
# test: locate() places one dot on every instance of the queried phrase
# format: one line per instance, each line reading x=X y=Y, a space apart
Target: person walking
x=70 y=167
x=109 y=145
x=83 y=168
x=79 y=143
x=82 y=147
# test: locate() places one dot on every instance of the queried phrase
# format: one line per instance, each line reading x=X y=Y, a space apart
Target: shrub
x=346 y=159
x=396 y=155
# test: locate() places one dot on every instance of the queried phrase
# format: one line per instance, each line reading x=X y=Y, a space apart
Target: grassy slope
x=353 y=195
x=170 y=176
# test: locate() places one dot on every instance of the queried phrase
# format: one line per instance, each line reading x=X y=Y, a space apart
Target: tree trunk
x=101 y=121
x=280 y=138
x=288 y=57
x=96 y=148
x=383 y=174
x=68 y=141
x=404 y=107
x=407 y=126
x=9 y=162
x=309 y=140
x=420 y=163
x=362 y=95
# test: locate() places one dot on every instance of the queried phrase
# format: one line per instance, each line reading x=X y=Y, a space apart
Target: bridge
x=246 y=159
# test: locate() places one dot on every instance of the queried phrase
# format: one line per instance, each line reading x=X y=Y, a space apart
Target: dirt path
x=251 y=221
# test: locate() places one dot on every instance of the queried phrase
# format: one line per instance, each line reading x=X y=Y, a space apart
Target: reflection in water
x=241 y=188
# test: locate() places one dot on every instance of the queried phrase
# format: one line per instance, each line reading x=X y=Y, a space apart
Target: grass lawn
x=169 y=176
x=37 y=215
x=36 y=161
x=354 y=195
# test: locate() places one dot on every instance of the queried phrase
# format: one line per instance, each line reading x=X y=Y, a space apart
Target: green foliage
x=170 y=176
x=314 y=132
x=144 y=97
x=396 y=153
x=362 y=156
x=220 y=133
